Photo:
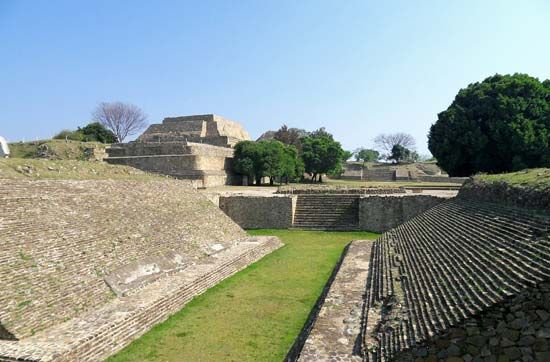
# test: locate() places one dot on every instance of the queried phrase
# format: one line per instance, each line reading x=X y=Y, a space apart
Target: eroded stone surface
x=60 y=239
x=94 y=335
x=336 y=330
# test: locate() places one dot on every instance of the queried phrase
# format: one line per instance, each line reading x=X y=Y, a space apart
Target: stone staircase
x=448 y=264
x=327 y=212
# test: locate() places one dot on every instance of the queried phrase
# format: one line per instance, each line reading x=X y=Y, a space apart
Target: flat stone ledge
x=336 y=330
x=100 y=333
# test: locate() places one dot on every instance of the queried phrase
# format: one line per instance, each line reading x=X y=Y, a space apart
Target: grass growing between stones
x=42 y=169
x=536 y=178
x=254 y=315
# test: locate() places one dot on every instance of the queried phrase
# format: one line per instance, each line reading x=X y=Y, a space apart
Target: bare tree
x=122 y=119
x=385 y=142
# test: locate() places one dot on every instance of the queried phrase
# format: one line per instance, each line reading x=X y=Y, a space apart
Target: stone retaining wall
x=260 y=212
x=375 y=213
x=503 y=193
x=381 y=213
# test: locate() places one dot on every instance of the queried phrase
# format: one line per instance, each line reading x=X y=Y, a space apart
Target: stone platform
x=335 y=332
x=97 y=334
x=197 y=148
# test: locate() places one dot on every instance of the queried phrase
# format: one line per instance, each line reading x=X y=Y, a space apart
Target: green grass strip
x=256 y=314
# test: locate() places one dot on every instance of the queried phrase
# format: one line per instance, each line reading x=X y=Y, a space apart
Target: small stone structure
x=260 y=212
x=329 y=211
x=467 y=280
x=88 y=266
x=197 y=148
x=389 y=172
x=4 y=148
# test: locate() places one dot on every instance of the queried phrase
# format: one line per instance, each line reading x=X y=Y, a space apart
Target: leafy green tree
x=272 y=158
x=497 y=125
x=96 y=132
x=366 y=155
x=347 y=155
x=292 y=166
x=268 y=158
x=321 y=154
x=245 y=159
x=399 y=153
x=69 y=135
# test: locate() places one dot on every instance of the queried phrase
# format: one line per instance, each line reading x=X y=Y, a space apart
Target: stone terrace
x=443 y=269
x=70 y=247
x=466 y=280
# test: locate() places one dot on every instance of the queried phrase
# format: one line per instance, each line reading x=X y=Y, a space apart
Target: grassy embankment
x=67 y=160
x=254 y=315
x=53 y=149
x=535 y=178
x=38 y=169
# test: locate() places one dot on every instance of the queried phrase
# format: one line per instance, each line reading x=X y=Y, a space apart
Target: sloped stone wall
x=503 y=193
x=516 y=329
x=61 y=238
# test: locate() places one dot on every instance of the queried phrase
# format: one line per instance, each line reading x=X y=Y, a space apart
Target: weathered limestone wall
x=260 y=212
x=60 y=239
x=207 y=165
x=456 y=180
x=381 y=213
x=516 y=329
x=278 y=211
x=207 y=128
x=505 y=194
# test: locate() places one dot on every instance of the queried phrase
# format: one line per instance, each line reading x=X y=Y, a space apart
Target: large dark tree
x=399 y=153
x=497 y=125
x=97 y=132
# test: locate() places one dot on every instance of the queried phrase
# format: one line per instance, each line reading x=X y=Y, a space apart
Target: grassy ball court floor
x=254 y=315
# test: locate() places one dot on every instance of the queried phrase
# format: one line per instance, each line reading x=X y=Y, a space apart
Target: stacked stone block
x=65 y=242
x=196 y=148
x=463 y=280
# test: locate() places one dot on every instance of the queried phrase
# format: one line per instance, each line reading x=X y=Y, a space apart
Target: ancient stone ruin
x=197 y=148
x=88 y=266
x=467 y=280
x=331 y=209
x=4 y=148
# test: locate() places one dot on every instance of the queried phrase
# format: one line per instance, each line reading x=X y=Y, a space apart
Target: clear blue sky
x=358 y=68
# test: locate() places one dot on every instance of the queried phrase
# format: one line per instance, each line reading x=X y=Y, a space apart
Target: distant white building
x=4 y=149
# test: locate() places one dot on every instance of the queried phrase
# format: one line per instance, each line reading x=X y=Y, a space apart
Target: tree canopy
x=290 y=136
x=497 y=125
x=93 y=132
x=97 y=132
x=268 y=158
x=399 y=153
x=122 y=119
x=385 y=141
x=366 y=155
x=322 y=154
